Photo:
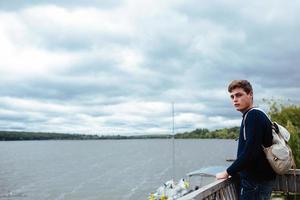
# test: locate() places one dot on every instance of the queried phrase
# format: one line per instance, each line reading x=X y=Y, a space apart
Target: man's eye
x=236 y=95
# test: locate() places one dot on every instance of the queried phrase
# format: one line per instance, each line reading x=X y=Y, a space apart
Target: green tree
x=294 y=141
x=288 y=116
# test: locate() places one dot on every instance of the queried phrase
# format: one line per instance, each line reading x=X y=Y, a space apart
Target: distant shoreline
x=226 y=133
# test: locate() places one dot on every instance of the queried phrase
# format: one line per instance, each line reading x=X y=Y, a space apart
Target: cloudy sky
x=116 y=66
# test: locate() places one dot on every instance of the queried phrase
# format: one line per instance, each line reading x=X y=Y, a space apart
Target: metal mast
x=173 y=142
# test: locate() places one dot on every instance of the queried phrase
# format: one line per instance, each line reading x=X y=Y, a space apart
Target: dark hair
x=244 y=84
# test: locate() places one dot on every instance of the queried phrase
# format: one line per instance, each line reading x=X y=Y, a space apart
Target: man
x=256 y=175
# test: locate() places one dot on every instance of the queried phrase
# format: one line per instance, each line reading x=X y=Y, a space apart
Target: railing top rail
x=207 y=189
x=291 y=171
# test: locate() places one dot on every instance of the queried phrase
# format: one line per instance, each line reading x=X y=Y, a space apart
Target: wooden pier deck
x=228 y=189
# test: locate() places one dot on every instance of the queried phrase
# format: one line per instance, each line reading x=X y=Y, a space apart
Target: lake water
x=101 y=169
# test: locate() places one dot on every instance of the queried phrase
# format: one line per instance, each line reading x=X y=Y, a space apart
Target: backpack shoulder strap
x=244 y=119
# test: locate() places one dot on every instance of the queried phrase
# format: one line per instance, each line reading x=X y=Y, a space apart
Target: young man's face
x=241 y=100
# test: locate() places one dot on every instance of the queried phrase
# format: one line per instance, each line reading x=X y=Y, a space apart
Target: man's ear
x=251 y=93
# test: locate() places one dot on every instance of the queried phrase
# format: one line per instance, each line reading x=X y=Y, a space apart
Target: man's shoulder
x=258 y=114
x=257 y=111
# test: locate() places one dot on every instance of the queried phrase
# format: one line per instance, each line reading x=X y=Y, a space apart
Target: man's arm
x=252 y=144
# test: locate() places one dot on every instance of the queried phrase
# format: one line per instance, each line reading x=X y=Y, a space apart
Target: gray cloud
x=111 y=67
x=16 y=4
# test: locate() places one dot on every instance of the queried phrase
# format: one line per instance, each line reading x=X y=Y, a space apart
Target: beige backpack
x=279 y=154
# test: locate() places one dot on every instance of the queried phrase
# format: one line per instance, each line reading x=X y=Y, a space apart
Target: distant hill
x=225 y=133
x=18 y=135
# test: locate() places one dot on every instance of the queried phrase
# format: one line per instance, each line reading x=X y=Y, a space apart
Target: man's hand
x=222 y=175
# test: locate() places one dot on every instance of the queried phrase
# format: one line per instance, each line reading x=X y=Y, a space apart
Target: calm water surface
x=101 y=169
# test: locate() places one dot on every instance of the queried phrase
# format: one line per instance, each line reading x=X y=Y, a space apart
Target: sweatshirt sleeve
x=251 y=146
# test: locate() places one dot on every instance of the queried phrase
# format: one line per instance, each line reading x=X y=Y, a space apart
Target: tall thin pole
x=173 y=142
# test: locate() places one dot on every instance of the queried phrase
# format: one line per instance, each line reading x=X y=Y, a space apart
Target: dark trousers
x=252 y=190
